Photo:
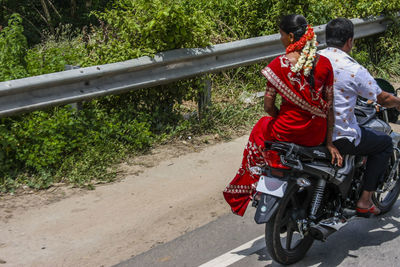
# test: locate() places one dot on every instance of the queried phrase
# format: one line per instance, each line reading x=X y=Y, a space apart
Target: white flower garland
x=307 y=57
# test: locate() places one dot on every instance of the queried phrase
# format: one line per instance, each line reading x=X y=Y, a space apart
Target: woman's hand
x=336 y=157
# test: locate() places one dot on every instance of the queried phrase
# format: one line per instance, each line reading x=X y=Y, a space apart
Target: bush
x=142 y=27
x=13 y=46
x=56 y=51
x=44 y=143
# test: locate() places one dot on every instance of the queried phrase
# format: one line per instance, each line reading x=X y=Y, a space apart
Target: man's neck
x=344 y=49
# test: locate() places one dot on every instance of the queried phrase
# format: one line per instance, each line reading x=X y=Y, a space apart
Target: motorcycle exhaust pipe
x=320 y=232
x=325 y=228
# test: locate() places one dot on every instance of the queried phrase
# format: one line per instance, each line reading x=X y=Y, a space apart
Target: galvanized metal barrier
x=75 y=85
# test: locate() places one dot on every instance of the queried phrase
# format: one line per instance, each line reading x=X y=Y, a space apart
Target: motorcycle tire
x=282 y=222
x=386 y=202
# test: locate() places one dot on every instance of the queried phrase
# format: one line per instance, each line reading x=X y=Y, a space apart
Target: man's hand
x=388 y=100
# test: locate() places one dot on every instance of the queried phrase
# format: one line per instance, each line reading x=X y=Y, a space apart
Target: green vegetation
x=41 y=16
x=13 y=46
x=80 y=147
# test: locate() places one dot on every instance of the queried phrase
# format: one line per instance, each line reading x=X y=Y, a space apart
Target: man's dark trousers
x=377 y=146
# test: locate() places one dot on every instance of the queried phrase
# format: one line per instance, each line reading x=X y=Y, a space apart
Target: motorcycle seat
x=311 y=153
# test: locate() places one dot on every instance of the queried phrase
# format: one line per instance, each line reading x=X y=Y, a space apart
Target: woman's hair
x=296 y=24
x=338 y=31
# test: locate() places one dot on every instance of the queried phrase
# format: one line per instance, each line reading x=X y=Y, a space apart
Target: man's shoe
x=367 y=212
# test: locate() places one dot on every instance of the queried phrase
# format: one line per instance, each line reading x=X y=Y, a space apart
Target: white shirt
x=350 y=80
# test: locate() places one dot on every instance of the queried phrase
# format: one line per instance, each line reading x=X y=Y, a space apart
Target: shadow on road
x=358 y=234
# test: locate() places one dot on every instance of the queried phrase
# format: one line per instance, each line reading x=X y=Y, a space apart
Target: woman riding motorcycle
x=304 y=80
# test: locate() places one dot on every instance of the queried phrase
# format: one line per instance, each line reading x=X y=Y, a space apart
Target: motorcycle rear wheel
x=385 y=201
x=282 y=228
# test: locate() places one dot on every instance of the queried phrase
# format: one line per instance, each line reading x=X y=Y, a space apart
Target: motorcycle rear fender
x=395 y=138
x=266 y=208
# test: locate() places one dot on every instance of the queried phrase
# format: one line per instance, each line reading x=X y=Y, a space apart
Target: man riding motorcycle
x=350 y=81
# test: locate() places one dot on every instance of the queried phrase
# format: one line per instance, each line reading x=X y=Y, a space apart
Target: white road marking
x=388 y=227
x=237 y=254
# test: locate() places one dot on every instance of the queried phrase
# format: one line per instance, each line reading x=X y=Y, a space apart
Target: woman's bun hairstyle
x=296 y=24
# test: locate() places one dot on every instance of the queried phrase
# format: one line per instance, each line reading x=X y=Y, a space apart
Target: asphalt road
x=363 y=242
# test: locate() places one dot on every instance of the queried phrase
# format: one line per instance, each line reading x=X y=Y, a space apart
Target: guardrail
x=33 y=93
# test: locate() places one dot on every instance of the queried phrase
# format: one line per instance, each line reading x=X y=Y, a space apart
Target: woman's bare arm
x=269 y=105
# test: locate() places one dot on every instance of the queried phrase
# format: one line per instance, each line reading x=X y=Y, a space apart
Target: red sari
x=302 y=119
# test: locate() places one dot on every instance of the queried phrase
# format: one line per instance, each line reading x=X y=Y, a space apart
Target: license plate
x=271 y=186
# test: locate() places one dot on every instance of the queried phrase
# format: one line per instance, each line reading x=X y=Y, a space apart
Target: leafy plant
x=56 y=51
x=13 y=46
x=142 y=27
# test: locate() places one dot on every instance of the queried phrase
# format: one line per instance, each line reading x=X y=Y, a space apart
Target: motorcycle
x=302 y=197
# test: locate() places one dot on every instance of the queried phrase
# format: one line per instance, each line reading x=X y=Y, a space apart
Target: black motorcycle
x=302 y=197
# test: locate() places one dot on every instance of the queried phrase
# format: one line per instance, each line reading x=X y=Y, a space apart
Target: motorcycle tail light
x=277 y=173
x=274 y=160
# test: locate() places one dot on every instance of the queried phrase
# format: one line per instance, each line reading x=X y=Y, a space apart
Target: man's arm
x=388 y=100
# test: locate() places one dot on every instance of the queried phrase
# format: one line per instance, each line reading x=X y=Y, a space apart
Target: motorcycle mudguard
x=266 y=208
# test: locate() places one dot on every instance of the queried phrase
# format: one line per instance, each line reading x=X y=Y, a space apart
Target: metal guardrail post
x=204 y=96
x=77 y=105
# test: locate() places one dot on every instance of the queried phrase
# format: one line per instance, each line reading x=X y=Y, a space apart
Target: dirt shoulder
x=163 y=195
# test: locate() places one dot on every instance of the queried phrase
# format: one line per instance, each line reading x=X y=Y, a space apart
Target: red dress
x=302 y=119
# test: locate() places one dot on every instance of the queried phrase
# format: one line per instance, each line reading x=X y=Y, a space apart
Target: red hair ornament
x=299 y=45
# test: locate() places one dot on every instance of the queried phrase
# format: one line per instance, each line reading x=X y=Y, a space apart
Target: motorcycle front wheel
x=284 y=242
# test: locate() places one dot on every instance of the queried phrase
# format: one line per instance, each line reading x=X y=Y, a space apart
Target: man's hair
x=338 y=31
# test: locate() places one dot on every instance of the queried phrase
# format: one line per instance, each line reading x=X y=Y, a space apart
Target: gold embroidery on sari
x=294 y=98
